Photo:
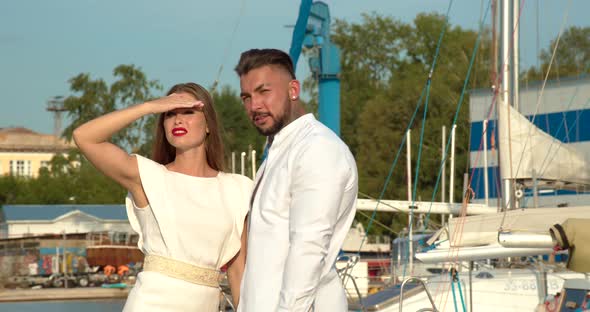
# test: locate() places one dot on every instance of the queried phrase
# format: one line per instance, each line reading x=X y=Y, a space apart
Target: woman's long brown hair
x=164 y=153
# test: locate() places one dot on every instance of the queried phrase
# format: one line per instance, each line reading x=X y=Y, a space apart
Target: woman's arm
x=235 y=268
x=92 y=139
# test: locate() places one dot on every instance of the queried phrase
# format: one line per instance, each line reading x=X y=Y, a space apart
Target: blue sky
x=45 y=43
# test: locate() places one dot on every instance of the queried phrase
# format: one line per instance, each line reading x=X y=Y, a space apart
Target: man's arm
x=320 y=177
x=235 y=268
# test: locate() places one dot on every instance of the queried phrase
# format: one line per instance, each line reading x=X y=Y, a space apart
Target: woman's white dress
x=191 y=219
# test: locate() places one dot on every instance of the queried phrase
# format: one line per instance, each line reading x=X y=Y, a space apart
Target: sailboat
x=501 y=257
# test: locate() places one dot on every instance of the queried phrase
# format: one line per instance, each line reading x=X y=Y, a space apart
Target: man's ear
x=294 y=89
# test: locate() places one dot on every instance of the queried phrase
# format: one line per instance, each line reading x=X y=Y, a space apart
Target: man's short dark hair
x=256 y=58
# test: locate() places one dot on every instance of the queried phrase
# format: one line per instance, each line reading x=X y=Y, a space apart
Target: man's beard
x=279 y=123
x=272 y=130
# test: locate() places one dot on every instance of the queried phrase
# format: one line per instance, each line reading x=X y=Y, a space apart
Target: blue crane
x=312 y=30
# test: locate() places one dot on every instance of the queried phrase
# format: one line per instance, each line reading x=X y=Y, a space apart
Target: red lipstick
x=179 y=131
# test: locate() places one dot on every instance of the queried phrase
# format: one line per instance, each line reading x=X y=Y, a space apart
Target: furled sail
x=525 y=149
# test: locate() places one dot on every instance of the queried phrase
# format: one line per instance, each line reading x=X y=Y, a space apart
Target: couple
x=278 y=237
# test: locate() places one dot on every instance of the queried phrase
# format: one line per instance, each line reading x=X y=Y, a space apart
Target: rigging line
x=499 y=82
x=493 y=147
x=386 y=204
x=511 y=48
x=538 y=40
x=228 y=48
x=388 y=179
x=411 y=225
x=460 y=226
x=392 y=168
x=561 y=144
x=427 y=100
x=481 y=7
x=379 y=223
x=428 y=84
x=565 y=17
x=563 y=119
x=505 y=63
x=390 y=206
x=459 y=105
x=562 y=123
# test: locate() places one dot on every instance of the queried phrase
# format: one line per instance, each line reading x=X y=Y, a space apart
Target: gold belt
x=181 y=270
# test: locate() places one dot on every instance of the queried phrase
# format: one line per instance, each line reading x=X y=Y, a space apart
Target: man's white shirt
x=302 y=209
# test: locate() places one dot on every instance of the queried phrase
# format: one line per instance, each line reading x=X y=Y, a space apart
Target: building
x=37 y=220
x=563 y=112
x=24 y=152
x=45 y=239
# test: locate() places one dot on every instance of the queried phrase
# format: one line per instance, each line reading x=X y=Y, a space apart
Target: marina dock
x=45 y=294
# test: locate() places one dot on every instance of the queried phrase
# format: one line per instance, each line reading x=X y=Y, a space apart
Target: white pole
x=64 y=263
x=233 y=162
x=243 y=163
x=443 y=150
x=465 y=186
x=505 y=55
x=253 y=164
x=56 y=267
x=515 y=69
x=515 y=52
x=452 y=171
x=409 y=164
x=423 y=207
x=506 y=87
x=485 y=162
x=410 y=215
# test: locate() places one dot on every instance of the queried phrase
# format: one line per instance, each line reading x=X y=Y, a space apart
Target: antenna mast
x=56 y=106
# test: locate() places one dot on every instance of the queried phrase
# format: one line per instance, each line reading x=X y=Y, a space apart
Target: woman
x=189 y=214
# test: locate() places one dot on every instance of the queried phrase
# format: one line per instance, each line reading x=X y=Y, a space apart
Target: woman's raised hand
x=174 y=101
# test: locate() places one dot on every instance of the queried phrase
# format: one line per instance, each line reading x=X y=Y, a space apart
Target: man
x=304 y=199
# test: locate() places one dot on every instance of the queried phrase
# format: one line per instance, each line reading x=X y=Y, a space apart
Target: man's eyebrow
x=261 y=86
x=257 y=89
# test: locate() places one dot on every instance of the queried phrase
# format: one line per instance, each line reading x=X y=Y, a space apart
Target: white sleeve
x=320 y=176
x=239 y=197
x=152 y=179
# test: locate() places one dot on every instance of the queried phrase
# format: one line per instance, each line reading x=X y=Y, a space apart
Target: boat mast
x=515 y=53
x=508 y=92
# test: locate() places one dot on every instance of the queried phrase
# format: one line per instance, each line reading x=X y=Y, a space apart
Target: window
x=13 y=167
x=20 y=168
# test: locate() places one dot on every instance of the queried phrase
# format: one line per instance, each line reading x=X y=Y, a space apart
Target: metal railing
x=344 y=274
x=421 y=282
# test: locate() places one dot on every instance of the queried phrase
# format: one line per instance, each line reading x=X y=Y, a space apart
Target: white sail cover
x=533 y=149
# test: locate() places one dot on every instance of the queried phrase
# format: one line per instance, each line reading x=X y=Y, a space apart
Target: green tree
x=237 y=131
x=71 y=179
x=9 y=189
x=94 y=98
x=572 y=57
x=371 y=55
x=385 y=67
